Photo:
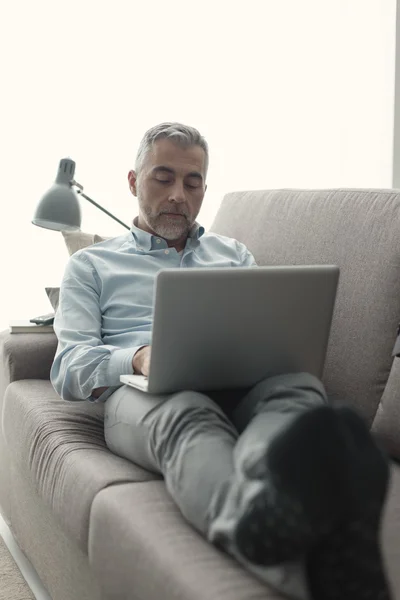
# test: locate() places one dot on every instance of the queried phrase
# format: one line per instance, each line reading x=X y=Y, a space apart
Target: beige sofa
x=96 y=526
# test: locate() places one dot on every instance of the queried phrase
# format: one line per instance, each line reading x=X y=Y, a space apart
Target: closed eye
x=193 y=182
x=188 y=185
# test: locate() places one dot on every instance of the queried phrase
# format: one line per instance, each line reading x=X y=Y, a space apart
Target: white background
x=288 y=93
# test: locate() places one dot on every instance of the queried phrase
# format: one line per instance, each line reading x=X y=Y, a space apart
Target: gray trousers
x=207 y=459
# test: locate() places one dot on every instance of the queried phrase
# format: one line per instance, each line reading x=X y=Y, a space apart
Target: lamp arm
x=79 y=191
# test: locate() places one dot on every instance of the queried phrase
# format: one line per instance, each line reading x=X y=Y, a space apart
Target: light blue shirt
x=105 y=311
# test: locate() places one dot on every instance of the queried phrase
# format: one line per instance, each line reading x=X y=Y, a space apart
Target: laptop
x=222 y=328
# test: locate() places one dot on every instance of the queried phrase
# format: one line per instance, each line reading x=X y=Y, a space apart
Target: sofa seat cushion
x=60 y=446
x=141 y=548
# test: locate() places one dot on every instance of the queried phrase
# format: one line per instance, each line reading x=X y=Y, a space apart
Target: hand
x=141 y=361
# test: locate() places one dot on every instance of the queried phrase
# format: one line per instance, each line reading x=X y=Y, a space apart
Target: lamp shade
x=59 y=208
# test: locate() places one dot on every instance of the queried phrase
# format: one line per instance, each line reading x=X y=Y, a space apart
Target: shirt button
x=158 y=241
x=167 y=252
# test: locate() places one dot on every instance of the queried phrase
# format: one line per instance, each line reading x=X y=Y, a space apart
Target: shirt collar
x=147 y=241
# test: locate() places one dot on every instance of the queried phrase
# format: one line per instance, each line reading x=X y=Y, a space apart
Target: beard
x=169 y=228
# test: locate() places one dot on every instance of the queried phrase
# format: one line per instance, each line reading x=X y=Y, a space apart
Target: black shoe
x=308 y=471
x=347 y=564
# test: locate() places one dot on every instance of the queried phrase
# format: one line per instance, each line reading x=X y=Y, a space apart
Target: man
x=290 y=486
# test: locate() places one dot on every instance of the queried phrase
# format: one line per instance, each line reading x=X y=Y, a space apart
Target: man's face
x=170 y=189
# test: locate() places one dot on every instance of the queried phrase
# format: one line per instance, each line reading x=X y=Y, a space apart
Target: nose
x=177 y=193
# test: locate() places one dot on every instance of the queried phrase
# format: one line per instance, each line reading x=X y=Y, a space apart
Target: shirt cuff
x=120 y=363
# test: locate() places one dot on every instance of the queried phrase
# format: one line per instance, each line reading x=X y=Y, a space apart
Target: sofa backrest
x=356 y=229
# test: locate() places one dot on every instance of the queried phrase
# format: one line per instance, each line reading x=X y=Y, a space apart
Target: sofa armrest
x=386 y=425
x=26 y=356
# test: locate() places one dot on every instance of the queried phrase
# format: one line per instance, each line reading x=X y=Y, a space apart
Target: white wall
x=288 y=94
x=396 y=117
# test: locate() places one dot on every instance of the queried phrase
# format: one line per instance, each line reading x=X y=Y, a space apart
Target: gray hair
x=183 y=135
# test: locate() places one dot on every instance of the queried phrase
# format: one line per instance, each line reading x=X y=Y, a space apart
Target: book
x=28 y=327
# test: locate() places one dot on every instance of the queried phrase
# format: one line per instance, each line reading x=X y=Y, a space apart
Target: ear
x=132 y=179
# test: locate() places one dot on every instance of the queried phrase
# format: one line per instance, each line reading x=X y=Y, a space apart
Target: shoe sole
x=302 y=501
x=348 y=564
